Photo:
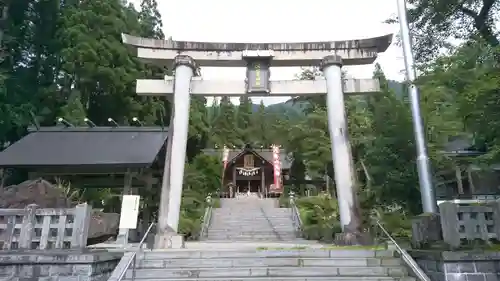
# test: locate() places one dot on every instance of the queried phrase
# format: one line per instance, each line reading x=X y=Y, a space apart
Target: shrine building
x=253 y=170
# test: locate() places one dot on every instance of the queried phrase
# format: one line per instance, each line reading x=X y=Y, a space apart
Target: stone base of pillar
x=169 y=241
x=122 y=238
x=353 y=239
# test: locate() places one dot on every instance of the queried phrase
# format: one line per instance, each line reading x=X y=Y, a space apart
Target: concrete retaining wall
x=60 y=265
x=459 y=266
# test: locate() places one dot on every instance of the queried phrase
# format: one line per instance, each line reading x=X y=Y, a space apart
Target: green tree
x=435 y=22
x=73 y=111
x=261 y=127
x=150 y=19
x=224 y=128
x=244 y=118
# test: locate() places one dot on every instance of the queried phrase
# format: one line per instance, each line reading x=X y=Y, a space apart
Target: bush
x=192 y=210
x=320 y=217
x=395 y=220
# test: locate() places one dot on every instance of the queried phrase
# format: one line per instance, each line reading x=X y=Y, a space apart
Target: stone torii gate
x=186 y=58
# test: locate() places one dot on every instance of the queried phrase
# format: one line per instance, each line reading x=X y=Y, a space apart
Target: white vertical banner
x=130 y=211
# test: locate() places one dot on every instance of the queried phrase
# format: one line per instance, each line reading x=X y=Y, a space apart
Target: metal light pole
x=429 y=203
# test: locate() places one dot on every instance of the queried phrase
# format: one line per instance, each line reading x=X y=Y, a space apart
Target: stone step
x=153 y=273
x=249 y=219
x=249 y=228
x=250 y=212
x=249 y=235
x=251 y=204
x=292 y=252
x=218 y=222
x=251 y=231
x=268 y=231
x=249 y=216
x=252 y=238
x=290 y=278
x=256 y=207
x=252 y=226
x=268 y=262
x=251 y=222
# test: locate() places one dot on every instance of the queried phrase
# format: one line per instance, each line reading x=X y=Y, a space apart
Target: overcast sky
x=282 y=21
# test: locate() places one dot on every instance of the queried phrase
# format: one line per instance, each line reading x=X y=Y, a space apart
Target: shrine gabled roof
x=266 y=154
x=82 y=146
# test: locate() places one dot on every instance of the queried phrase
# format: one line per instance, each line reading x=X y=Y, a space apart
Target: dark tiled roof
x=267 y=154
x=81 y=146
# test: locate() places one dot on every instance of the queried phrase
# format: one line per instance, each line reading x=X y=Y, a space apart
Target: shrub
x=394 y=219
x=320 y=217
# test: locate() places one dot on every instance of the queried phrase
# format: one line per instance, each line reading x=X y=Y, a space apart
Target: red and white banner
x=225 y=156
x=277 y=169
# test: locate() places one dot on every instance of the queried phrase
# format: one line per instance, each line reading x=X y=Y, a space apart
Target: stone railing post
x=291 y=195
x=28 y=226
x=496 y=218
x=450 y=223
x=81 y=224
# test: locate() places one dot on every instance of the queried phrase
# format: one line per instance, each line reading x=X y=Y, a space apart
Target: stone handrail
x=207 y=217
x=129 y=259
x=410 y=262
x=297 y=220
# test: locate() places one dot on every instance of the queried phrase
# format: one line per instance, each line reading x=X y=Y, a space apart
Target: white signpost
x=128 y=217
x=130 y=211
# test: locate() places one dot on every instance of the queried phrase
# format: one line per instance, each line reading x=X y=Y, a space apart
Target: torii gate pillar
x=173 y=175
x=341 y=152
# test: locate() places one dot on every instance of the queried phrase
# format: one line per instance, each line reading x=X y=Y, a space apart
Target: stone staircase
x=251 y=239
x=249 y=218
x=311 y=264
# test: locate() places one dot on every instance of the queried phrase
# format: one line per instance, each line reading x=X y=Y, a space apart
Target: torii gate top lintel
x=229 y=54
x=381 y=43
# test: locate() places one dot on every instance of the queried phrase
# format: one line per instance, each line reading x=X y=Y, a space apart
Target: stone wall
x=60 y=265
x=459 y=266
x=457 y=225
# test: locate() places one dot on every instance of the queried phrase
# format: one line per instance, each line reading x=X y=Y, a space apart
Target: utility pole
x=429 y=203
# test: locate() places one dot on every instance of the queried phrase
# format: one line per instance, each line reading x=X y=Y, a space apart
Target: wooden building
x=467 y=182
x=251 y=170
x=129 y=160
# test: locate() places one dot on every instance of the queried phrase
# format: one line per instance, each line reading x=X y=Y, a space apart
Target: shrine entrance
x=252 y=186
x=249 y=171
x=187 y=58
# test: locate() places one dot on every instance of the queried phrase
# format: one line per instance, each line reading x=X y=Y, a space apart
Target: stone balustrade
x=43 y=229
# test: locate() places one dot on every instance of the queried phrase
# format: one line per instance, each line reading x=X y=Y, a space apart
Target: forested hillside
x=64 y=58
